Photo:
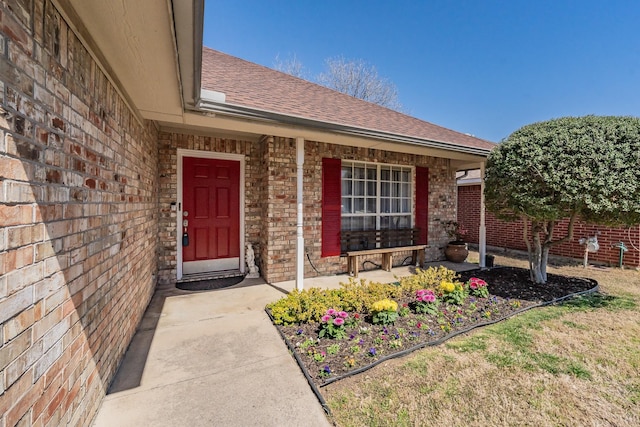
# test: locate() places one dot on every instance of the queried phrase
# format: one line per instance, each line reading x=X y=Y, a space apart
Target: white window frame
x=378 y=197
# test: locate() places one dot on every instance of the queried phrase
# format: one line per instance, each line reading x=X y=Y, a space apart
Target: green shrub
x=426 y=279
x=355 y=296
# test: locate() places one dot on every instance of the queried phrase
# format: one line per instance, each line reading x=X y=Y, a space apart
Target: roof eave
x=211 y=106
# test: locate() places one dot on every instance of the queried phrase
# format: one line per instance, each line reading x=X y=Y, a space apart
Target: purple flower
x=372 y=351
x=299 y=332
x=326 y=369
x=338 y=321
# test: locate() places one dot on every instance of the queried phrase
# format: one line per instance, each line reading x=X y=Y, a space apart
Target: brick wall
x=168 y=145
x=270 y=205
x=442 y=203
x=509 y=234
x=78 y=209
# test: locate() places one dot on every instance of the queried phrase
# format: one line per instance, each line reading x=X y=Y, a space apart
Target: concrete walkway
x=214 y=359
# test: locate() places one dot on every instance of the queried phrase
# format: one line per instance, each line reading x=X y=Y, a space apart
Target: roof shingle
x=255 y=86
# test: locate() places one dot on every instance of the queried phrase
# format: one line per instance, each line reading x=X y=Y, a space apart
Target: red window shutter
x=422 y=203
x=331 y=206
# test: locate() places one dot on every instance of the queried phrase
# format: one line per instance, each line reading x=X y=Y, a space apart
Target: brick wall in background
x=78 y=209
x=509 y=234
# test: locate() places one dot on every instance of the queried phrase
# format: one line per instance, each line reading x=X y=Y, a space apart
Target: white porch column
x=300 y=223
x=482 y=242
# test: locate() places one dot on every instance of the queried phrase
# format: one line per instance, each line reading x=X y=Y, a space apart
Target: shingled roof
x=254 y=86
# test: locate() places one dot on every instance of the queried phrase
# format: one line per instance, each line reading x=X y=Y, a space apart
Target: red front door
x=211 y=207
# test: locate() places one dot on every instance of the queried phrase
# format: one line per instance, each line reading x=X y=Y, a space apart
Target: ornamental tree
x=585 y=168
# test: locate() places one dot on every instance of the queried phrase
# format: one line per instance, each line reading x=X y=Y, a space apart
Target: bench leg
x=417 y=258
x=387 y=261
x=355 y=266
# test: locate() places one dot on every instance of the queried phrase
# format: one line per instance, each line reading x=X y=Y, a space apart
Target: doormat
x=210 y=284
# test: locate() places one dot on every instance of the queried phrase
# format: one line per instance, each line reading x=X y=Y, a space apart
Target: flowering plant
x=452 y=292
x=384 y=311
x=455 y=230
x=332 y=324
x=478 y=287
x=426 y=302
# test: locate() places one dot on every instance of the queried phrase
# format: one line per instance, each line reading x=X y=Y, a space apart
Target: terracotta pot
x=456 y=252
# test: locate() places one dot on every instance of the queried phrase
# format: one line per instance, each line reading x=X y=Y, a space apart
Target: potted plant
x=456 y=250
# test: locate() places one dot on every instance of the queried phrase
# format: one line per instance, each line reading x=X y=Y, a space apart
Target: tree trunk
x=538 y=269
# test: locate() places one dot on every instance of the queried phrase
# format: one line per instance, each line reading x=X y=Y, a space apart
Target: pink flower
x=325 y=318
x=429 y=298
x=343 y=314
x=331 y=312
x=357 y=316
x=338 y=321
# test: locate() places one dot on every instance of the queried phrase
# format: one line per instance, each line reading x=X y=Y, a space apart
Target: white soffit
x=136 y=39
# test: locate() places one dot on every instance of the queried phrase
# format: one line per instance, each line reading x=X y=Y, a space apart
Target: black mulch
x=326 y=360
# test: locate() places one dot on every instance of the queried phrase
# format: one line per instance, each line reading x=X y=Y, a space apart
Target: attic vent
x=212 y=96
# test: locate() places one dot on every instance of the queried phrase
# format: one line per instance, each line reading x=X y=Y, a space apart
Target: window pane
x=403 y=222
x=346 y=205
x=357 y=223
x=385 y=205
x=385 y=189
x=370 y=223
x=406 y=205
x=365 y=206
x=346 y=188
x=372 y=173
x=371 y=188
x=395 y=190
x=346 y=172
x=371 y=205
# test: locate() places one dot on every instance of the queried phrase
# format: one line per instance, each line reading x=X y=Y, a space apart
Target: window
x=375 y=196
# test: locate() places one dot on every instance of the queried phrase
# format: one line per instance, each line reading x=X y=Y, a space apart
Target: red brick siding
x=509 y=234
x=78 y=210
x=270 y=205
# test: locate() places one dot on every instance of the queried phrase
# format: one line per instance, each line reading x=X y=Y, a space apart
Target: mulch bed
x=327 y=360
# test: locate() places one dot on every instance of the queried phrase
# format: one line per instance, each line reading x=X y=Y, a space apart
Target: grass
x=575 y=364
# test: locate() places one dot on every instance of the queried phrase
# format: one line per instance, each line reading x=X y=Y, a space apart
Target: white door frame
x=207 y=155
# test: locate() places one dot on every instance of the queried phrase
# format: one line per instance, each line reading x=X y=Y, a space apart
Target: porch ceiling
x=135 y=43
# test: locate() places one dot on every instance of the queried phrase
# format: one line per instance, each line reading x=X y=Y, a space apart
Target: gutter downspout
x=300 y=223
x=482 y=241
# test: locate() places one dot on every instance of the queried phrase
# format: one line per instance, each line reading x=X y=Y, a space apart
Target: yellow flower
x=447 y=287
x=384 y=305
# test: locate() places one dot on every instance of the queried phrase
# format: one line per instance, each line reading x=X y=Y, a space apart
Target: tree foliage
x=359 y=79
x=584 y=168
x=291 y=65
x=353 y=77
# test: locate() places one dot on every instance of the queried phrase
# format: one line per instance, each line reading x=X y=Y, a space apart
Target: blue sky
x=483 y=67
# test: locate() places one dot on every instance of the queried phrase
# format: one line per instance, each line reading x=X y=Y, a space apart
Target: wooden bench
x=373 y=242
